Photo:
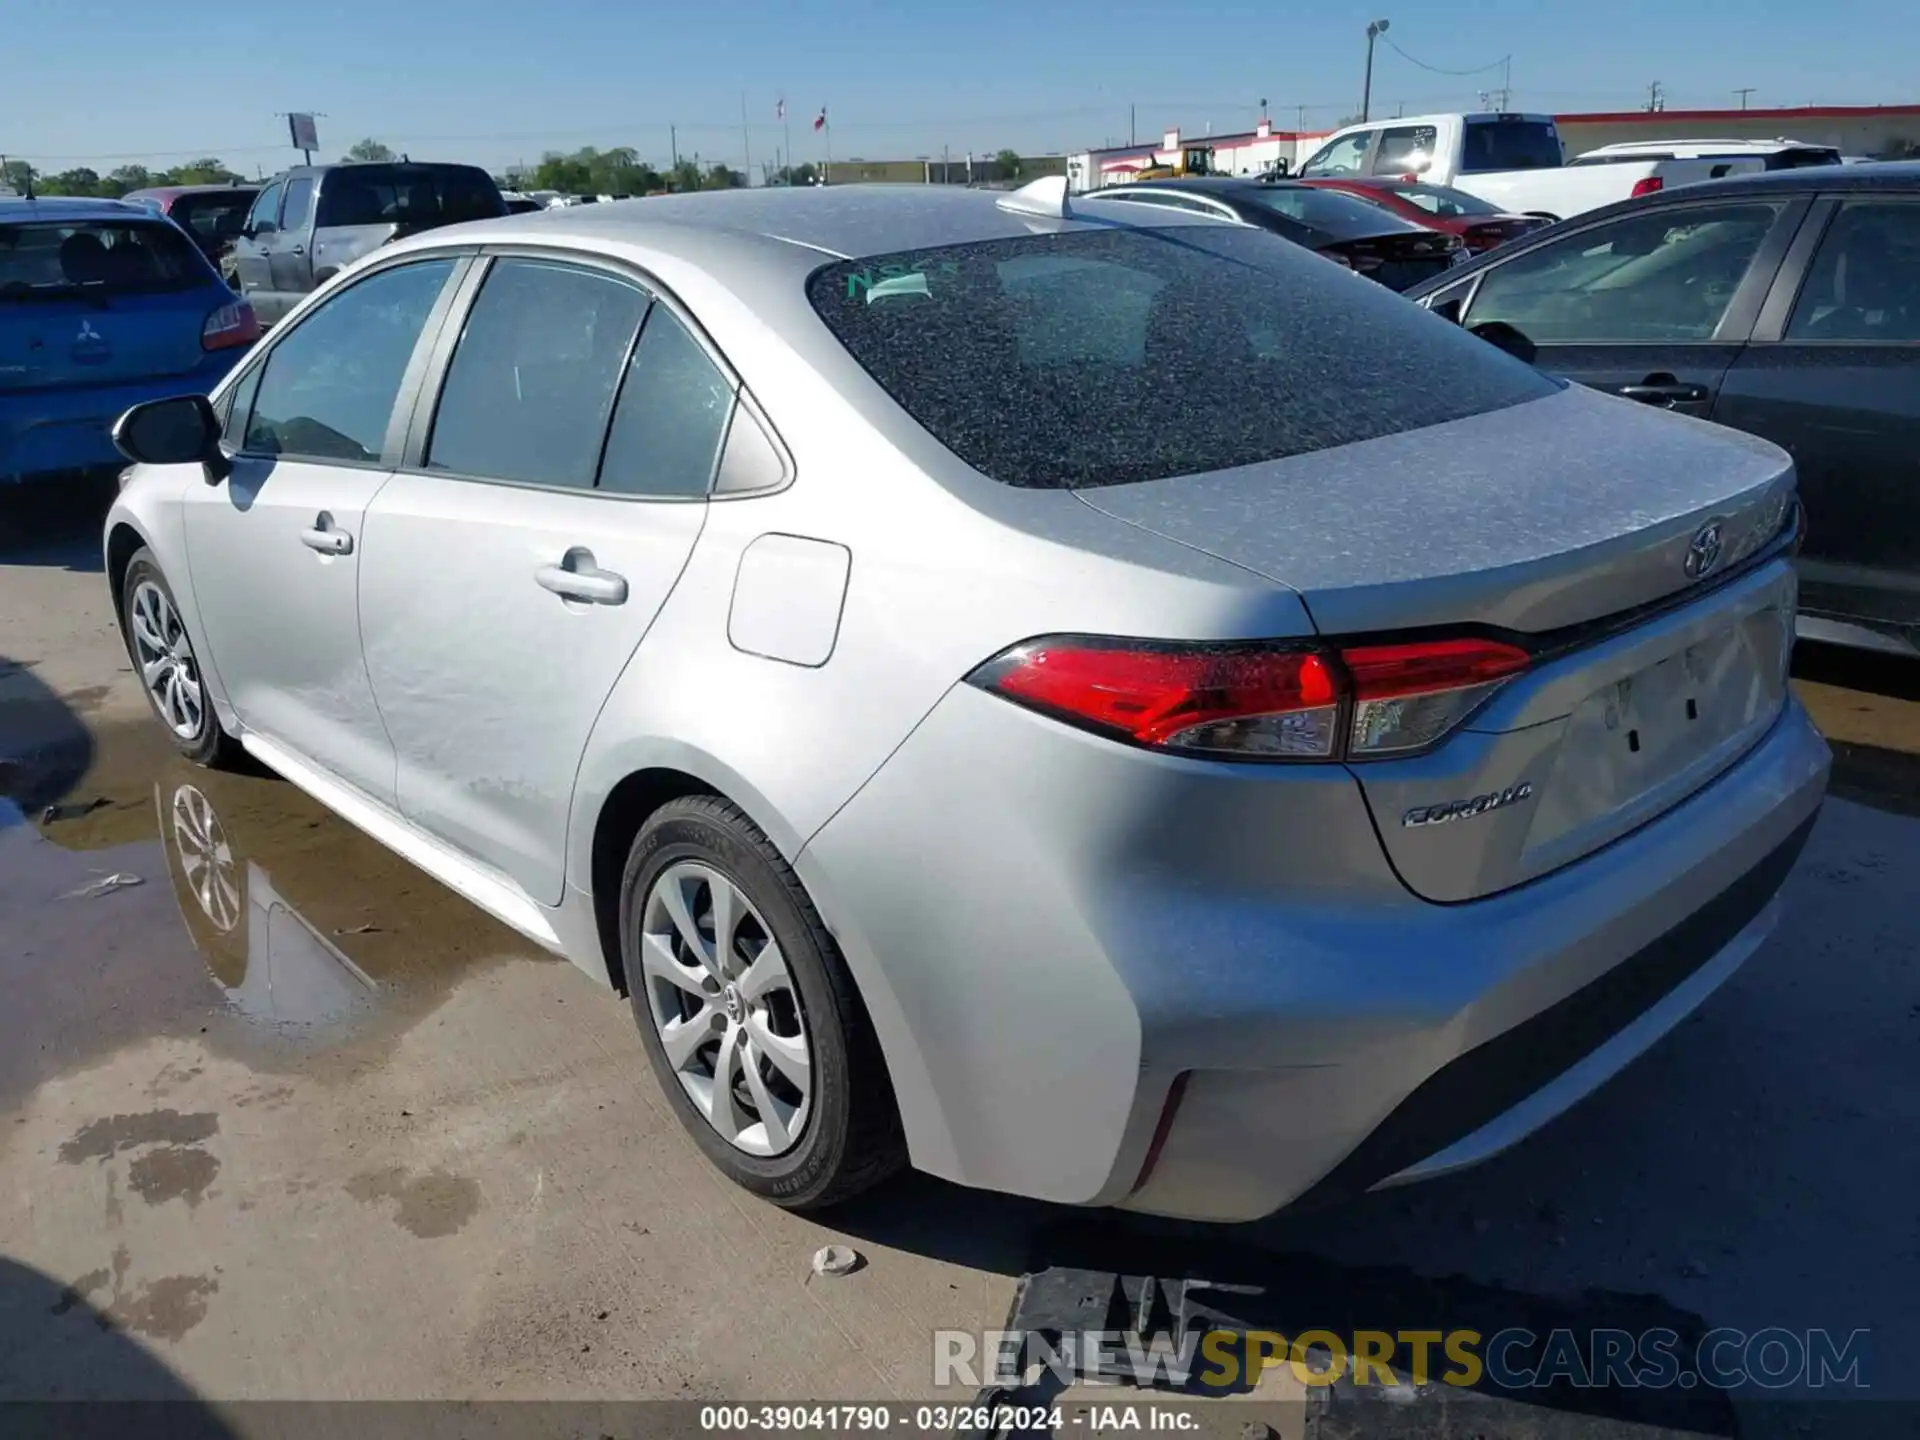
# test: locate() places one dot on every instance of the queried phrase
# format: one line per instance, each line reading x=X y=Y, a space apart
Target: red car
x=212 y=215
x=1439 y=207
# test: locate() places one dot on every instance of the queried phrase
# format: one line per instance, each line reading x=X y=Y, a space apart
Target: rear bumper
x=46 y=432
x=1050 y=931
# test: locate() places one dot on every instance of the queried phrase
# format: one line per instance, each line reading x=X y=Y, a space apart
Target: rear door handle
x=325 y=538
x=297 y=250
x=1663 y=392
x=581 y=579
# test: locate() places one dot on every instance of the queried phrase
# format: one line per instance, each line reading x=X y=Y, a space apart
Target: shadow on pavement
x=56 y=523
x=1863 y=670
x=73 y=1370
x=44 y=746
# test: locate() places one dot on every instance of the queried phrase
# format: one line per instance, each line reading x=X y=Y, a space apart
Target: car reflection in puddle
x=274 y=967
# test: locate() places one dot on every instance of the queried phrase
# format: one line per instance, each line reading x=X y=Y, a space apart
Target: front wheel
x=169 y=670
x=749 y=1017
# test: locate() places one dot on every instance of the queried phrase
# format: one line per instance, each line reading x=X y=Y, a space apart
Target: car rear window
x=418 y=197
x=1102 y=357
x=1343 y=217
x=1442 y=200
x=1509 y=145
x=215 y=214
x=53 y=260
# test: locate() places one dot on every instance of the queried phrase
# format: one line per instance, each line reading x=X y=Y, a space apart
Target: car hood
x=1542 y=515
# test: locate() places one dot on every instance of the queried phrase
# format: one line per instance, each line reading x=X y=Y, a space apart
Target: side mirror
x=181 y=430
x=1503 y=336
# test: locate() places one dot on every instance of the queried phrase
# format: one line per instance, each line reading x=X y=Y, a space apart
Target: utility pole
x=1133 y=131
x=673 y=145
x=1743 y=92
x=1375 y=29
x=1301 y=124
x=746 y=143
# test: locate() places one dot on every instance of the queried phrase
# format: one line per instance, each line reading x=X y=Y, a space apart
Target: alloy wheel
x=725 y=1009
x=165 y=657
x=206 y=859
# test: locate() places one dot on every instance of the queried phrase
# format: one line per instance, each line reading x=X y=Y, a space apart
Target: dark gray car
x=314 y=220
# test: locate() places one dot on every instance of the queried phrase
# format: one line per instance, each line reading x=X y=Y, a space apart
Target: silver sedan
x=1084 y=700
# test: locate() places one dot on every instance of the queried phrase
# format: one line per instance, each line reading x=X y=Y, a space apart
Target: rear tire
x=836 y=1131
x=166 y=660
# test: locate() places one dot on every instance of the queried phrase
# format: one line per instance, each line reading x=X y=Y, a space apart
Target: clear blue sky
x=495 y=81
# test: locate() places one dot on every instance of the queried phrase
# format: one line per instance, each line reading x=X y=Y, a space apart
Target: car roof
x=841 y=221
x=66 y=207
x=174 y=192
x=1757 y=147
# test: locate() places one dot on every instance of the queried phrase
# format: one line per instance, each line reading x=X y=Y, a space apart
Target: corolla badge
x=1451 y=810
x=1703 y=551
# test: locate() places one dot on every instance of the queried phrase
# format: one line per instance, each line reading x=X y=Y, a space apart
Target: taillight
x=230 y=325
x=1253 y=701
x=1648 y=186
x=1406 y=697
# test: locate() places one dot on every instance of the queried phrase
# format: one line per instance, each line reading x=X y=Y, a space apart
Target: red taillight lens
x=1252 y=701
x=1258 y=702
x=230 y=325
x=1648 y=186
x=1408 y=696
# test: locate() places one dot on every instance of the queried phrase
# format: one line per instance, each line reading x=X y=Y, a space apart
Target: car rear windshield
x=1342 y=217
x=419 y=197
x=1102 y=357
x=1509 y=145
x=52 y=260
x=214 y=214
x=1442 y=200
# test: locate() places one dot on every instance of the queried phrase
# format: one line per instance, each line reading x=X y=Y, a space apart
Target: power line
x=1476 y=70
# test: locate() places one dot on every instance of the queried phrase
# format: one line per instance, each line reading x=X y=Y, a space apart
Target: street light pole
x=1374 y=31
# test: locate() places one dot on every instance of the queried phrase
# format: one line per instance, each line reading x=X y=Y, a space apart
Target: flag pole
x=746 y=144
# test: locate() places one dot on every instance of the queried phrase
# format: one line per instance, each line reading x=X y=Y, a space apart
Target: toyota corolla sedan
x=1049 y=692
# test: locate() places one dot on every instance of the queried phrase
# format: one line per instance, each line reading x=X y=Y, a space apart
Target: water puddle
x=159 y=898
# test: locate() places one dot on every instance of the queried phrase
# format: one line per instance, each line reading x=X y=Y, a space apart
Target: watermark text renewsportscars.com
x=1511 y=1359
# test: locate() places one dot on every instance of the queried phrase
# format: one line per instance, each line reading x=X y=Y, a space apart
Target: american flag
x=820 y=120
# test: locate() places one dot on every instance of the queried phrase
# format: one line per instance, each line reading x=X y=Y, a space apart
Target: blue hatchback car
x=102 y=305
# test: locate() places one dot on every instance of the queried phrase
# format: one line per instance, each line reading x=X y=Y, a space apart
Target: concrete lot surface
x=320 y=1130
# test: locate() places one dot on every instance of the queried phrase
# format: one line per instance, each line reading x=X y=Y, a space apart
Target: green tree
x=209 y=171
x=17 y=175
x=127 y=177
x=370 y=149
x=1008 y=164
x=719 y=177
x=685 y=176
x=81 y=181
x=795 y=175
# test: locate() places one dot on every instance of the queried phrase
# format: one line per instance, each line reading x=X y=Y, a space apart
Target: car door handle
x=297 y=250
x=1663 y=392
x=583 y=581
x=325 y=538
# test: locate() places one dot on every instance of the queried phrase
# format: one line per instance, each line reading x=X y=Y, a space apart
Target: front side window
x=534 y=374
x=328 y=388
x=673 y=410
x=265 y=218
x=1405 y=150
x=1864 y=284
x=1347 y=156
x=299 y=204
x=1664 y=276
x=1118 y=355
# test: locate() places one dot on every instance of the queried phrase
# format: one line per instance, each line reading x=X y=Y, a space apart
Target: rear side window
x=1865 y=282
x=50 y=261
x=328 y=389
x=673 y=410
x=1101 y=357
x=299 y=206
x=533 y=377
x=1509 y=145
x=418 y=197
x=1405 y=149
x=1442 y=200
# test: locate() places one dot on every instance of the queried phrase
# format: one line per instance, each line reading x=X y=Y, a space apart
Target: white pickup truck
x=1516 y=161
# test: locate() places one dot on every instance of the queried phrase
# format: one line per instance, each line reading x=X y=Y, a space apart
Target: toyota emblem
x=1703 y=551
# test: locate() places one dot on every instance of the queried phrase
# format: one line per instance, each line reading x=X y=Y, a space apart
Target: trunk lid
x=1536 y=520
